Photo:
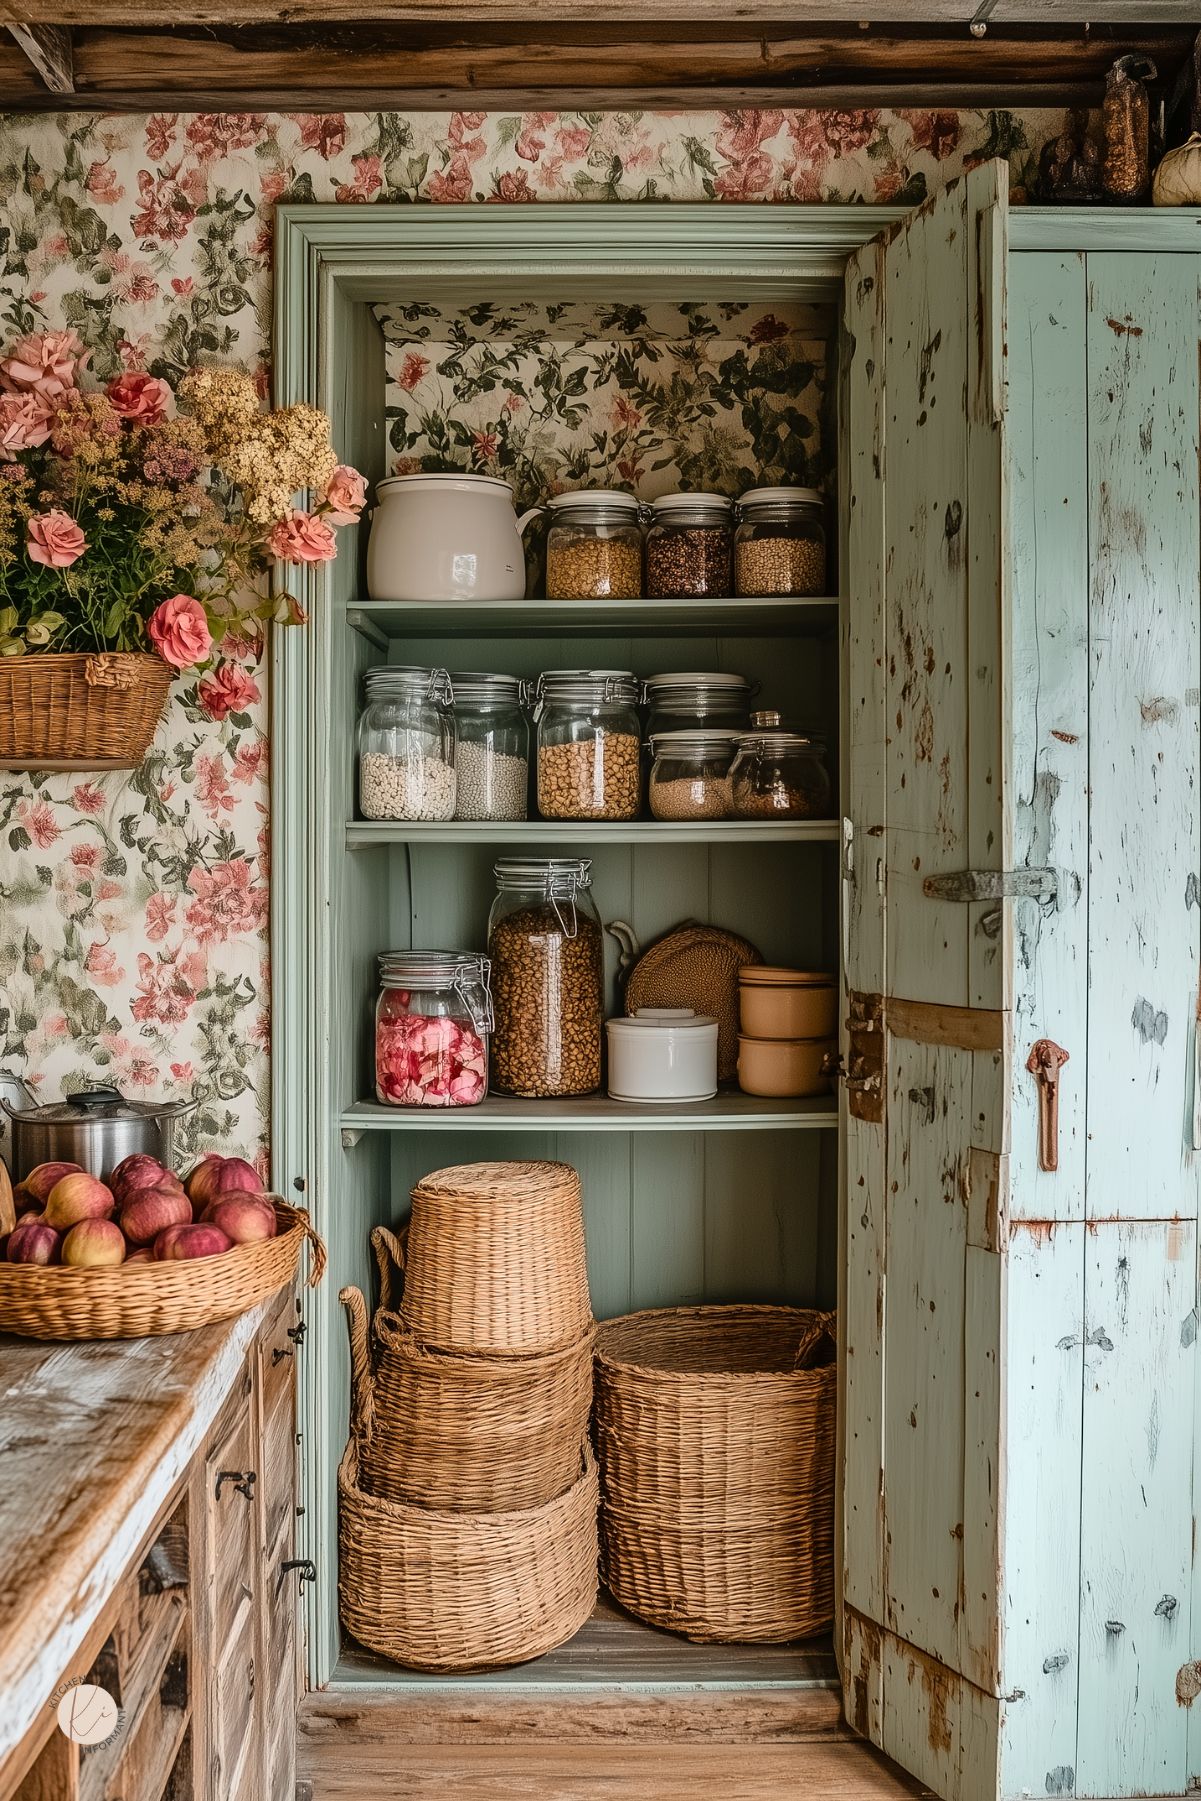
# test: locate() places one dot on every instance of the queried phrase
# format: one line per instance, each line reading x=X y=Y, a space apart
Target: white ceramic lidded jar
x=662 y=1054
x=446 y=537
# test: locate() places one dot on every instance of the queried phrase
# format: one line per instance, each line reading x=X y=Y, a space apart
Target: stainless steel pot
x=96 y=1129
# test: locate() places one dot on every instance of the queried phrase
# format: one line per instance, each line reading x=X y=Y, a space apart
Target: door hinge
x=992 y=885
x=863 y=1077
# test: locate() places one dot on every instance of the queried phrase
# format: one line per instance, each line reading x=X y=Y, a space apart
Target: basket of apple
x=145 y=1253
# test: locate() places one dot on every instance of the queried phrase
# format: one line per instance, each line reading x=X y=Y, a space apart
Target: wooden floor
x=621 y=1713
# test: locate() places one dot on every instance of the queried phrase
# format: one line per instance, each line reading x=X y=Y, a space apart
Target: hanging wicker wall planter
x=91 y=710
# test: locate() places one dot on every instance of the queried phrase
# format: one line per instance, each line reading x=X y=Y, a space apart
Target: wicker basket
x=495 y=1259
x=147 y=1299
x=468 y=1434
x=696 y=966
x=87 y=711
x=715 y=1434
x=438 y=1590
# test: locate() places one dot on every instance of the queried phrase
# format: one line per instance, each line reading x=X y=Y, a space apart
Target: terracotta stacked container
x=788 y=1022
x=468 y=1492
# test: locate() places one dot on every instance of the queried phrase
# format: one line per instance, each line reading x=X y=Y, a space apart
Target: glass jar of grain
x=690 y=546
x=589 y=750
x=492 y=751
x=780 y=775
x=594 y=546
x=690 y=775
x=547 y=956
x=780 y=544
x=407 y=744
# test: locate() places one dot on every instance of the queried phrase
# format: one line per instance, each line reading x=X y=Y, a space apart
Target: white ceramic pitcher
x=446 y=537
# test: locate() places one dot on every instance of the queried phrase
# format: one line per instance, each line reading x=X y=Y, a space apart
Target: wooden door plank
x=1145 y=763
x=928 y=1111
x=1137 y=1522
x=1044 y=1368
x=1049 y=710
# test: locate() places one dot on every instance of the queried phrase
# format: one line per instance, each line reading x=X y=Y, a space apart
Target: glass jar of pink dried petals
x=433 y=1020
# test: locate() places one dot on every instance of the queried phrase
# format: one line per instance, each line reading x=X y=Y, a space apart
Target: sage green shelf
x=380 y=620
x=361 y=834
x=729 y=1111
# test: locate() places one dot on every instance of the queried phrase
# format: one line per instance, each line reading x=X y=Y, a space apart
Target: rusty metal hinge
x=863 y=1077
x=992 y=885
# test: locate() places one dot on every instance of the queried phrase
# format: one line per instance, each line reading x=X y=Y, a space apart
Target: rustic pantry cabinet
x=1012 y=673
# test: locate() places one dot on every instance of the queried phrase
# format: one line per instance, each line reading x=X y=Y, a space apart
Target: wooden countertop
x=93 y=1438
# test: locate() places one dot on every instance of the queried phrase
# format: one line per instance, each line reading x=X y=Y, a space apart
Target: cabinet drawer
x=230 y=1481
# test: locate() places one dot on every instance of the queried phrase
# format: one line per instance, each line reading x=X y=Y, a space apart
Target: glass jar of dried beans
x=547 y=958
x=594 y=546
x=780 y=544
x=690 y=546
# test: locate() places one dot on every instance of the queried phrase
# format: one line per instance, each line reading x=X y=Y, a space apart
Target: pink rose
x=345 y=495
x=54 y=539
x=24 y=423
x=45 y=363
x=303 y=538
x=231 y=689
x=179 y=631
x=140 y=397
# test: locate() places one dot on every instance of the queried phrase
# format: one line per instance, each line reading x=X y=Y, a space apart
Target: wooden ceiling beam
x=48 y=48
x=952 y=13
x=593 y=66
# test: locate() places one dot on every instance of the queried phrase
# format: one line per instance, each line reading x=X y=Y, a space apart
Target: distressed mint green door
x=1022 y=858
x=928 y=989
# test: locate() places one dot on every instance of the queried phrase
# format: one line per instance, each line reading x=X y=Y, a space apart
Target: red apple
x=94 y=1244
x=246 y=1218
x=150 y=1211
x=179 y=1243
x=140 y=1170
x=217 y=1176
x=41 y=1179
x=77 y=1197
x=31 y=1241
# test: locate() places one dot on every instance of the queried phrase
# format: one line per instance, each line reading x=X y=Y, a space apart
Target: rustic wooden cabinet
x=1010 y=673
x=198 y=1641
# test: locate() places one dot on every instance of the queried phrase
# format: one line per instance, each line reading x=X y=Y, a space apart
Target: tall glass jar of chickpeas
x=547 y=955
x=589 y=749
x=594 y=546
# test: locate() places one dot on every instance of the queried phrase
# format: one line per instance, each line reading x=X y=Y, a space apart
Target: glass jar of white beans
x=780 y=543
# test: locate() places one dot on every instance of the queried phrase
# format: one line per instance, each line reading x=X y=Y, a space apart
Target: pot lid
x=770 y=975
x=446 y=479
x=664 y=1019
x=99 y=1104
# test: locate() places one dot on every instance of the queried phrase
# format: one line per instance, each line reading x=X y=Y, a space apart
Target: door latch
x=243 y=1481
x=1045 y=1061
x=306 y=1568
x=992 y=885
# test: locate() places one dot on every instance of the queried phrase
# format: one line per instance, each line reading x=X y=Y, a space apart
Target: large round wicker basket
x=442 y=1590
x=494 y=1260
x=465 y=1433
x=94 y=710
x=715 y=1435
x=144 y=1300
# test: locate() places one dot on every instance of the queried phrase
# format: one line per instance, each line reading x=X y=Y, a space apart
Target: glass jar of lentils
x=547 y=960
x=690 y=546
x=780 y=543
x=594 y=546
x=407 y=744
x=779 y=775
x=589 y=748
x=492 y=750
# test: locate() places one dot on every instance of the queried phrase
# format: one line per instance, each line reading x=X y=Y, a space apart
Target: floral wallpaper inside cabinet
x=134 y=907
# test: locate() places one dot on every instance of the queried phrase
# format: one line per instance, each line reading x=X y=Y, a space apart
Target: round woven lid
x=697 y=967
x=770 y=975
x=499 y=1181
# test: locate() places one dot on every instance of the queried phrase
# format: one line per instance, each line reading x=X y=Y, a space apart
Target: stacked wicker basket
x=468 y=1492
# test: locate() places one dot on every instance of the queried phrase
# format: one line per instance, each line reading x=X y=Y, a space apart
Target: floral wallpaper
x=133 y=907
x=716 y=396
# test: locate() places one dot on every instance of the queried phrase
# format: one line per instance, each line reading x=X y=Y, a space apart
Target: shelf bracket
x=366 y=627
x=350 y=1137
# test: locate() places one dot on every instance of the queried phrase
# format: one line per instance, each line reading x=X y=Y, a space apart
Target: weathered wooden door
x=1021 y=1585
x=928 y=932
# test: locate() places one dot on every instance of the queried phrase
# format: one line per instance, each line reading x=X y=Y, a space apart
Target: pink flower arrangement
x=428 y=1062
x=128 y=523
x=179 y=631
